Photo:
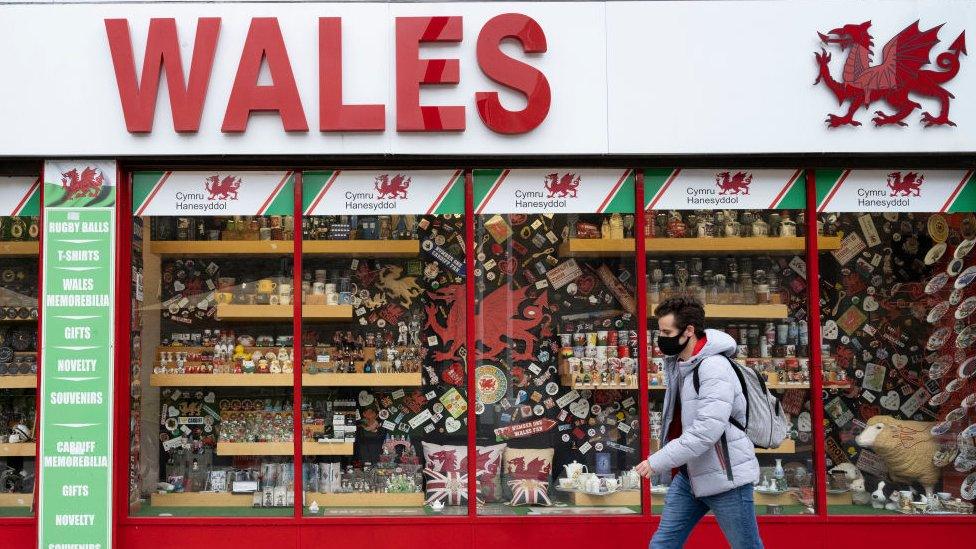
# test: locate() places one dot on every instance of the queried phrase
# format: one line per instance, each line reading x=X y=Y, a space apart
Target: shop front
x=386 y=274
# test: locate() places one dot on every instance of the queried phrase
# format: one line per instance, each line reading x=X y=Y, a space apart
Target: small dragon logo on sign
x=899 y=74
x=395 y=187
x=908 y=185
x=564 y=186
x=733 y=184
x=222 y=188
x=88 y=183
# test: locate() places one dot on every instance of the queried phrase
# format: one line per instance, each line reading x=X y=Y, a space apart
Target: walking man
x=712 y=463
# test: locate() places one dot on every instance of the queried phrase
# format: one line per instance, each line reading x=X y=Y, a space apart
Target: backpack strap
x=696 y=383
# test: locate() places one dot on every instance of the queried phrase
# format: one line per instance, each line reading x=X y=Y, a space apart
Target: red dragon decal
x=222 y=189
x=452 y=331
x=445 y=460
x=537 y=468
x=562 y=186
x=733 y=184
x=86 y=184
x=502 y=329
x=899 y=74
x=909 y=185
x=391 y=188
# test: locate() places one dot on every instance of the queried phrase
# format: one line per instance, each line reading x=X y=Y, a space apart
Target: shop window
x=383 y=356
x=212 y=344
x=897 y=303
x=556 y=340
x=19 y=228
x=734 y=240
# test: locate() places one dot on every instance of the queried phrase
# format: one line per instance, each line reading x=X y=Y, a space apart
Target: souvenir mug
x=318 y=288
x=331 y=296
x=224 y=298
x=266 y=286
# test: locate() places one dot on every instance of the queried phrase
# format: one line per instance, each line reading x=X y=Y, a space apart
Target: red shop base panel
x=801 y=533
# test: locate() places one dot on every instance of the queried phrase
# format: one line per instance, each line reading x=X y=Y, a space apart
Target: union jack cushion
x=451 y=488
x=529 y=491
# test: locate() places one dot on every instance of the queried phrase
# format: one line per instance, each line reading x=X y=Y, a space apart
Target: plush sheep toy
x=907 y=448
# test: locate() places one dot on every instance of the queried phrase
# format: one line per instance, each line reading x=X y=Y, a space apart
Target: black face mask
x=671 y=346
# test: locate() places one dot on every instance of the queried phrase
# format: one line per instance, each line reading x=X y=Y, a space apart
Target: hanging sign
x=20 y=196
x=945 y=191
x=353 y=192
x=76 y=376
x=213 y=193
x=724 y=189
x=553 y=191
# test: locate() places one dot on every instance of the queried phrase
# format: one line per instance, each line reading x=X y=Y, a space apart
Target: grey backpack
x=766 y=423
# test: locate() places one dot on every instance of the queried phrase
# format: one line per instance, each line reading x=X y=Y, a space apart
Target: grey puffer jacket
x=713 y=467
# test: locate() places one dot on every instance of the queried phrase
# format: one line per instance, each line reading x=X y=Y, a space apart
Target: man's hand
x=644 y=469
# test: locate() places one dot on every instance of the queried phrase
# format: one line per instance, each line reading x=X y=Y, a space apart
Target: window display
x=743 y=258
x=557 y=338
x=897 y=301
x=212 y=343
x=384 y=383
x=19 y=231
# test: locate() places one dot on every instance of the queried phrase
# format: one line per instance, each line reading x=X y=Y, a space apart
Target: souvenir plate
x=940 y=429
x=491 y=383
x=967 y=368
x=966 y=337
x=956 y=414
x=937 y=312
x=969 y=431
x=955 y=296
x=935 y=253
x=944 y=456
x=955 y=267
x=969 y=401
x=936 y=283
x=955 y=385
x=938 y=228
x=938 y=399
x=937 y=339
x=940 y=367
x=966 y=277
x=966 y=308
x=963 y=249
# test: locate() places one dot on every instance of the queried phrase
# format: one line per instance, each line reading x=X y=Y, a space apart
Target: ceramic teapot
x=574 y=469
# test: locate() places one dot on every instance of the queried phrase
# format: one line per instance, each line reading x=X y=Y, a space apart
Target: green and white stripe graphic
x=373 y=192
x=726 y=189
x=896 y=190
x=562 y=190
x=20 y=196
x=213 y=193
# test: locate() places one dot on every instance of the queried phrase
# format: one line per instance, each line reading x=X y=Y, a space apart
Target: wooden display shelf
x=26 y=381
x=363 y=248
x=201 y=499
x=255 y=448
x=266 y=313
x=365 y=499
x=362 y=380
x=313 y=448
x=787 y=498
x=201 y=349
x=567 y=380
x=754 y=312
x=221 y=247
x=788 y=447
x=16 y=500
x=326 y=312
x=837 y=386
x=20 y=449
x=597 y=247
x=602 y=247
x=17 y=320
x=220 y=380
x=19 y=249
x=616 y=499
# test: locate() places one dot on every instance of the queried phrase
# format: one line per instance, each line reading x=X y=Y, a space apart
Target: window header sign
x=723 y=189
x=213 y=193
x=557 y=190
x=354 y=192
x=904 y=190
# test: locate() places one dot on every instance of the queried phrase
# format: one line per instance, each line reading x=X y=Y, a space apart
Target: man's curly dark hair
x=687 y=311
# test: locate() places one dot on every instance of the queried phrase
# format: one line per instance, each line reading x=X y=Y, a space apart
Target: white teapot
x=574 y=469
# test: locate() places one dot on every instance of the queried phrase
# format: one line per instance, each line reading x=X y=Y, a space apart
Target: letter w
x=162 y=53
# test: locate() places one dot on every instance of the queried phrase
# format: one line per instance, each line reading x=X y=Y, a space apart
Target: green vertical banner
x=78 y=295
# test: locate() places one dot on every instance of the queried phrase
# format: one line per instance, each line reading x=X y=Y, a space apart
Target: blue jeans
x=733 y=510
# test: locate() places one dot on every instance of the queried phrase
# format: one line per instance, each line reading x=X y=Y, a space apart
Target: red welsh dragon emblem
x=452 y=331
x=391 y=188
x=909 y=185
x=898 y=75
x=86 y=184
x=504 y=329
x=222 y=189
x=733 y=184
x=562 y=186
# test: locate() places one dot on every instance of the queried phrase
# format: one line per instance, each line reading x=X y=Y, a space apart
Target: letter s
x=513 y=74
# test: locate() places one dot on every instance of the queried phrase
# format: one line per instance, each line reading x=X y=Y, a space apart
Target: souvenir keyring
x=969 y=401
x=935 y=253
x=966 y=337
x=955 y=385
x=966 y=277
x=937 y=339
x=963 y=249
x=937 y=312
x=936 y=283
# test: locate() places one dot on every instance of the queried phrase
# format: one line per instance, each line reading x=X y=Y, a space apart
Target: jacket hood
x=717 y=343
